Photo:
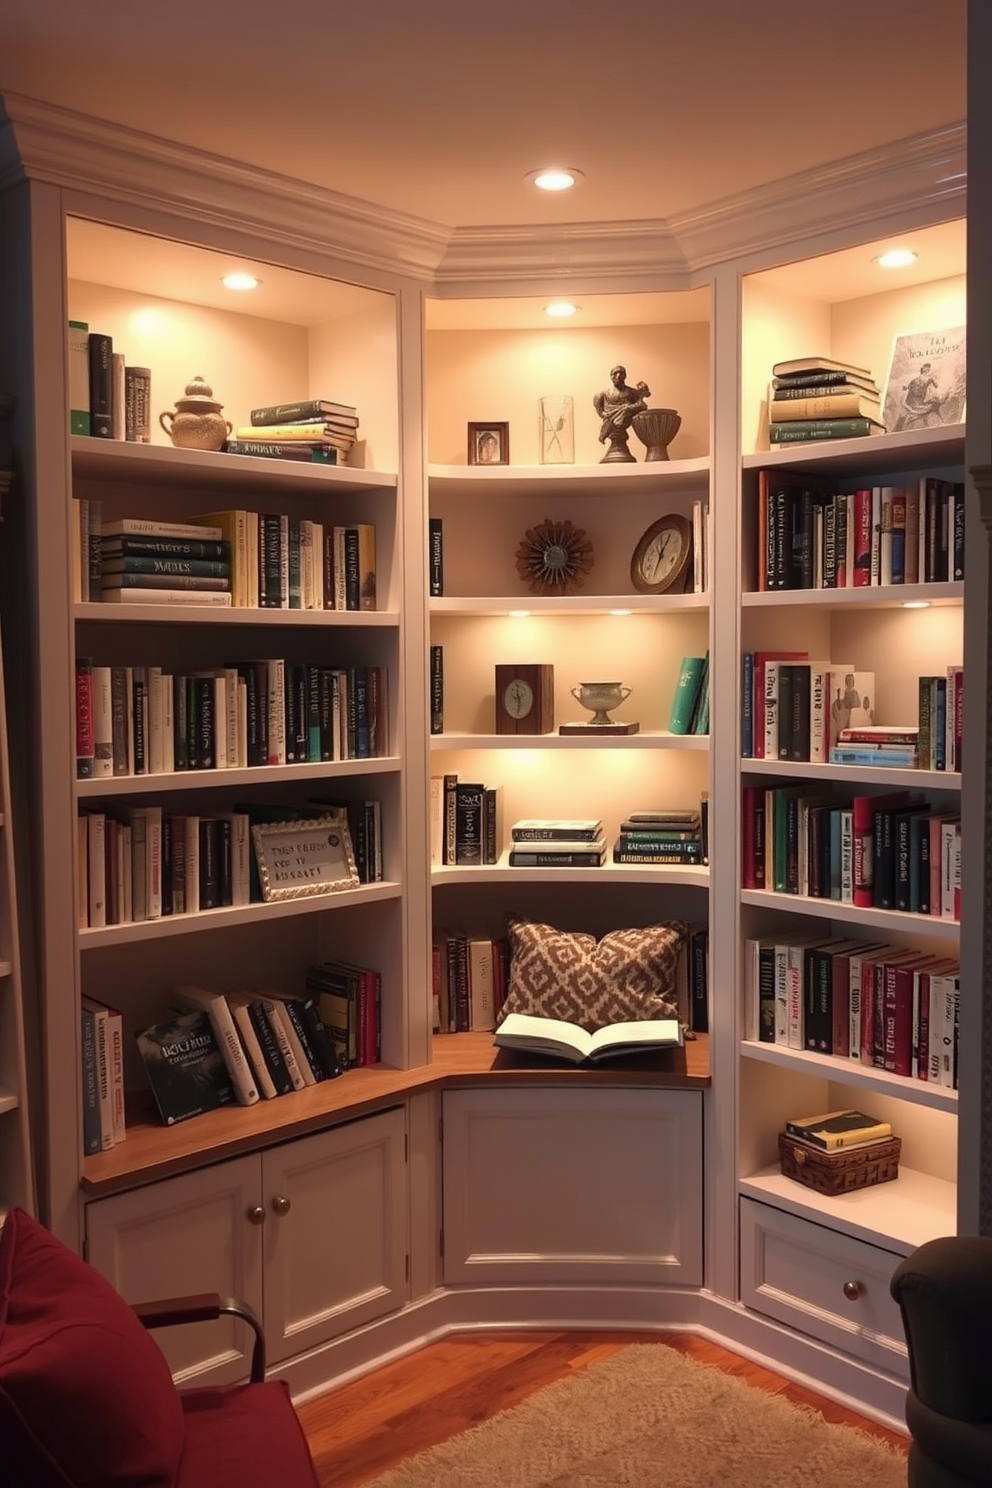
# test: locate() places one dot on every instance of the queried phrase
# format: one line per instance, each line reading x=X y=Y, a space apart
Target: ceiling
x=437 y=109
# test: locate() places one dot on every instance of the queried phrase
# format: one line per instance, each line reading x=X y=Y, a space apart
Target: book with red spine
x=863 y=810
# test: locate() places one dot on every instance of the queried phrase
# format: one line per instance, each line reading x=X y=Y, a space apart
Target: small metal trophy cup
x=600 y=698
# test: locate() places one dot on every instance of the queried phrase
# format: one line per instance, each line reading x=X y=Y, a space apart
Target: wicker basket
x=839 y=1172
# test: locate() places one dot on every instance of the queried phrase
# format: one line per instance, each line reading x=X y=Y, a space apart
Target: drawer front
x=796 y=1272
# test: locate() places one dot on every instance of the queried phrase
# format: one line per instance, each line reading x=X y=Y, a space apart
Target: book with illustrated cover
x=561 y=1040
x=836 y=1129
x=925 y=388
x=185 y=1067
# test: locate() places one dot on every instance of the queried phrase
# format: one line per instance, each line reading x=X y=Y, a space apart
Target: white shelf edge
x=669 y=873
x=228 y=918
x=120 y=459
x=96 y=613
x=850 y=1072
x=572 y=480
x=833 y=909
x=857 y=774
x=570 y=604
x=870 y=597
x=646 y=740
x=876 y=453
x=899 y=1216
x=175 y=780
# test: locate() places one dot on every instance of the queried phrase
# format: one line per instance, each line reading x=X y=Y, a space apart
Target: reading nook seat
x=87 y=1400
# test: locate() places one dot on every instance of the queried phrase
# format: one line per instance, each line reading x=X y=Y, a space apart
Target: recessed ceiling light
x=560 y=309
x=240 y=281
x=896 y=258
x=518 y=614
x=555 y=177
x=916 y=604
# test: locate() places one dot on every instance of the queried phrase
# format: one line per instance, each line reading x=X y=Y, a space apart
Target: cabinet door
x=578 y=1186
x=335 y=1234
x=196 y=1233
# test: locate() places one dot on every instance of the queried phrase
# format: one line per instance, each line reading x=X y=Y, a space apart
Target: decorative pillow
x=86 y=1397
x=626 y=977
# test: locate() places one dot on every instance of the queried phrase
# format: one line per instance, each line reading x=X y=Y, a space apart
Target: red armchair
x=87 y=1400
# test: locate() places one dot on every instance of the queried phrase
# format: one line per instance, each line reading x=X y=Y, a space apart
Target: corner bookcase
x=464 y=1176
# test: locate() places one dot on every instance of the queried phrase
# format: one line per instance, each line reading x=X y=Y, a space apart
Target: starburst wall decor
x=554 y=557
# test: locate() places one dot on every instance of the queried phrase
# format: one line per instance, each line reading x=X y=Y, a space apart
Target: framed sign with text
x=299 y=858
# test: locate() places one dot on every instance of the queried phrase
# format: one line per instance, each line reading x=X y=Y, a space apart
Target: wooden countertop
x=152 y=1151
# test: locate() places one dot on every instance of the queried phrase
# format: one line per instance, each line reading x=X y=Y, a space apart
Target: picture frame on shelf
x=925 y=387
x=297 y=859
x=489 y=443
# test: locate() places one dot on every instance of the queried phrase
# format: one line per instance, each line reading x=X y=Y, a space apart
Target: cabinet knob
x=256 y=1215
x=853 y=1290
x=280 y=1204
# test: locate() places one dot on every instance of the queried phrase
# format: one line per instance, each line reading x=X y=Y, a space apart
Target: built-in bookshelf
x=487 y=615
x=894 y=633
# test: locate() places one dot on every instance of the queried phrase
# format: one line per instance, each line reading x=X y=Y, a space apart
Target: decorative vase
x=657 y=427
x=557 y=430
x=196 y=422
x=600 y=698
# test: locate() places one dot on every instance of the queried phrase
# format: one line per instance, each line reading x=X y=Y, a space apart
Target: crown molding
x=924 y=176
x=921 y=178
x=44 y=142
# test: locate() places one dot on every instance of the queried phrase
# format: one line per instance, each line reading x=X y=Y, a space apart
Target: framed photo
x=925 y=388
x=300 y=858
x=489 y=444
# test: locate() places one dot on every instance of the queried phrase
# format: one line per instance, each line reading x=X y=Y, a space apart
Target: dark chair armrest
x=205 y=1307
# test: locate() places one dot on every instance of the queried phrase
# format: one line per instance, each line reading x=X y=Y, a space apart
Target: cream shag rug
x=652 y=1418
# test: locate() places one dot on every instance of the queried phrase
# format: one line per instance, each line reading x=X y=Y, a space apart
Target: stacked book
x=819 y=398
x=895 y=745
x=164 y=568
x=839 y=1151
x=663 y=836
x=315 y=430
x=556 y=842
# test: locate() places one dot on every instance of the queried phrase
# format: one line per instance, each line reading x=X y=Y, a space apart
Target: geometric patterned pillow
x=626 y=977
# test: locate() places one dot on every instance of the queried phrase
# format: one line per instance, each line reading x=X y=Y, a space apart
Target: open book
x=568 y=1041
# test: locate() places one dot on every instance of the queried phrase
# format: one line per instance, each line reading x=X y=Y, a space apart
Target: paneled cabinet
x=572 y=1186
x=314 y=1234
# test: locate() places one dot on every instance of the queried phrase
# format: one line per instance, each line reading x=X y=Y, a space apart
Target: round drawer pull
x=256 y=1215
x=853 y=1290
x=280 y=1204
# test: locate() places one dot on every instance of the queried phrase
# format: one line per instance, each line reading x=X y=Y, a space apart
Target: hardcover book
x=925 y=388
x=552 y=829
x=185 y=1067
x=836 y=1129
x=561 y=1040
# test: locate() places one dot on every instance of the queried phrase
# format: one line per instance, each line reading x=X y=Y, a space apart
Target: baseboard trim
x=490 y=1309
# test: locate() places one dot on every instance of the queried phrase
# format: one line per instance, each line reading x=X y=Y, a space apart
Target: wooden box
x=839 y=1172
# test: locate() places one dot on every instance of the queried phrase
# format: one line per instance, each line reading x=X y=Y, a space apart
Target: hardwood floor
x=370 y=1425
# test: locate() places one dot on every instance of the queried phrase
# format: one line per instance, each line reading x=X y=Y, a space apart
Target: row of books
x=263 y=560
x=102 y=1069
x=469 y=980
x=464 y=821
x=690 y=710
x=140 y=720
x=810 y=537
x=883 y=1005
x=820 y=398
x=796 y=709
x=107 y=398
x=144 y=863
x=240 y=1047
x=890 y=851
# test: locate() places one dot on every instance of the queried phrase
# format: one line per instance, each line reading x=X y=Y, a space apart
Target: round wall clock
x=662 y=555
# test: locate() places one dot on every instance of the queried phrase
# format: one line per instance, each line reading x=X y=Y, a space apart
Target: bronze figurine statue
x=616 y=407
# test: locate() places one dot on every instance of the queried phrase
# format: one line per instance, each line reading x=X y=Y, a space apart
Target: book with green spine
x=686 y=696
